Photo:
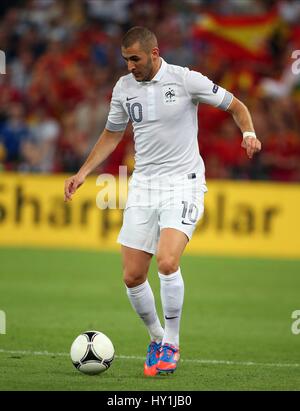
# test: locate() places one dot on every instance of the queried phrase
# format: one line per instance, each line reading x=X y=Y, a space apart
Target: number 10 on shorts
x=190 y=212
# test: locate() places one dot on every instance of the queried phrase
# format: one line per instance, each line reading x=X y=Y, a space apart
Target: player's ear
x=155 y=52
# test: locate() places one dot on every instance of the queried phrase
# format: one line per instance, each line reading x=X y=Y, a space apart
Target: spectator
x=38 y=151
x=13 y=133
x=72 y=145
x=63 y=59
x=91 y=115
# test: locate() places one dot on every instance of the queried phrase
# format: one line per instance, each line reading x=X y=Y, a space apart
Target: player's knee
x=167 y=264
x=133 y=278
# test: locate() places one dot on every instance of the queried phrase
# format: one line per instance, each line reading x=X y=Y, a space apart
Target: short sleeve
x=203 y=90
x=117 y=117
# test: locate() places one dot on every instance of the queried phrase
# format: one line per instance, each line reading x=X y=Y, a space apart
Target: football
x=92 y=352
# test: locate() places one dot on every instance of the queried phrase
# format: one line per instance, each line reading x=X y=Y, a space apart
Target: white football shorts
x=157 y=203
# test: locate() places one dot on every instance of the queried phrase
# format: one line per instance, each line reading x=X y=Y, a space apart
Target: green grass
x=236 y=310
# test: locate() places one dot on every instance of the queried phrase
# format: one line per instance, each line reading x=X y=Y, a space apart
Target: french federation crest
x=169 y=94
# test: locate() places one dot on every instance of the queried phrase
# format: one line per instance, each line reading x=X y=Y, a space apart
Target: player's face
x=140 y=63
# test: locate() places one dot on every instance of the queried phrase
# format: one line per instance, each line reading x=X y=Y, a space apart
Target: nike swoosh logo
x=131 y=98
x=185 y=223
x=169 y=318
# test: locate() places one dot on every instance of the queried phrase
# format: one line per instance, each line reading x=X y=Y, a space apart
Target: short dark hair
x=142 y=35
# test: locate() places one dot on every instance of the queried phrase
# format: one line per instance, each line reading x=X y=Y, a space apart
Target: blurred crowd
x=63 y=58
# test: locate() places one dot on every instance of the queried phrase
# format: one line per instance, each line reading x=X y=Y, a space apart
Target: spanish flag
x=238 y=36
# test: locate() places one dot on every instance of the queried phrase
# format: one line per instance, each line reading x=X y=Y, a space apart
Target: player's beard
x=148 y=70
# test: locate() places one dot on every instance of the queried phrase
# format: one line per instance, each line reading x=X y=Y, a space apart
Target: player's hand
x=71 y=185
x=252 y=145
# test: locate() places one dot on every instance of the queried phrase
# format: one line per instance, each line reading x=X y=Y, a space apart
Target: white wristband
x=249 y=134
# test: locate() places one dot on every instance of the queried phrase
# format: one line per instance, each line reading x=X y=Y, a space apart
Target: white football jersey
x=163 y=113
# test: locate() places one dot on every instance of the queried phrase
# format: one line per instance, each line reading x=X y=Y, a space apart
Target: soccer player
x=166 y=191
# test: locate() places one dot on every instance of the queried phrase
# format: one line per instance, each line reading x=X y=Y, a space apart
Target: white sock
x=172 y=293
x=142 y=301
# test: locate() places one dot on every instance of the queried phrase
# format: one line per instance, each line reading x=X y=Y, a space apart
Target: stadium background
x=62 y=60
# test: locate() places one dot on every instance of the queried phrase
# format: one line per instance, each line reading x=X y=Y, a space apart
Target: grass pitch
x=235 y=334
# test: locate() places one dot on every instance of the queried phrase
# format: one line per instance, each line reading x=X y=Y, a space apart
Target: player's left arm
x=243 y=120
x=202 y=90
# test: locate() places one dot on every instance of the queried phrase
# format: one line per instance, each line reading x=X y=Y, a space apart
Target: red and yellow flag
x=238 y=36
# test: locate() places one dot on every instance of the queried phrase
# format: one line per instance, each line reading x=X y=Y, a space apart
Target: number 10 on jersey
x=135 y=112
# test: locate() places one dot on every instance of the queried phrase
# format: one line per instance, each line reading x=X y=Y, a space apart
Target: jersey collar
x=161 y=71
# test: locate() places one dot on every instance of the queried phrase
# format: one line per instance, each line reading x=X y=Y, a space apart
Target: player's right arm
x=105 y=145
x=107 y=142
